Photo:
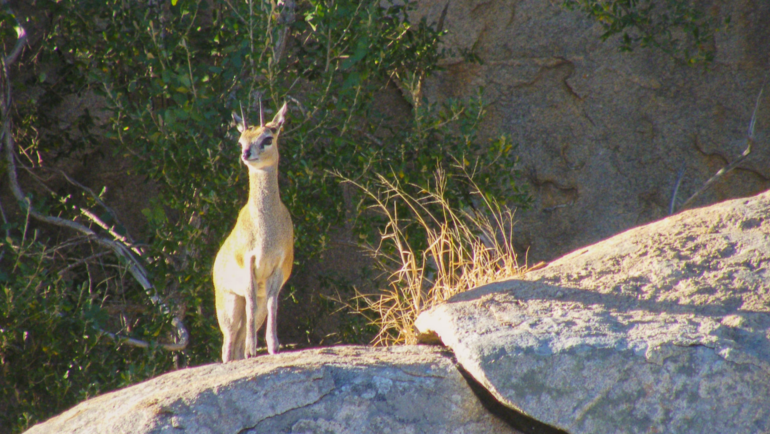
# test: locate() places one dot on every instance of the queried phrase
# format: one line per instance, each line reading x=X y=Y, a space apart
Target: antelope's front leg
x=273 y=289
x=251 y=315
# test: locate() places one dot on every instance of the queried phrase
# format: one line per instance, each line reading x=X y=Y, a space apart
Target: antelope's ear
x=277 y=122
x=240 y=122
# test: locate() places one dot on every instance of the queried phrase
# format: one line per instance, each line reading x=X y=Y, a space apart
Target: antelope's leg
x=231 y=322
x=261 y=311
x=251 y=317
x=240 y=339
x=274 y=284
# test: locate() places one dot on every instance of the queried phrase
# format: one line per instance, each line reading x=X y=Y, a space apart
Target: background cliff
x=602 y=133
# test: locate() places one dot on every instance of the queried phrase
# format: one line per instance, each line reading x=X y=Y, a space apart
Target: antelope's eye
x=267 y=141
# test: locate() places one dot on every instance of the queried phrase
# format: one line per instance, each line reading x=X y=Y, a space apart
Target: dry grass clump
x=461 y=249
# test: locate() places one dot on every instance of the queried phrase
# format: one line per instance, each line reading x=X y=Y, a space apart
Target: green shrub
x=682 y=28
x=51 y=355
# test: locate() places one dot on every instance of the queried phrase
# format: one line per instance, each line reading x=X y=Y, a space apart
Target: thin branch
x=729 y=168
x=723 y=171
x=235 y=11
x=677 y=184
x=126 y=239
x=82 y=261
x=286 y=17
x=70 y=243
x=182 y=338
x=20 y=42
x=109 y=229
x=753 y=121
x=5 y=222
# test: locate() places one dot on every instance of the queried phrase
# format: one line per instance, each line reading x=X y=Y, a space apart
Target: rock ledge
x=663 y=328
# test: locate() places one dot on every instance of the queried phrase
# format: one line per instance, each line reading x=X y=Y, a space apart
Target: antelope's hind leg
x=230 y=315
x=240 y=341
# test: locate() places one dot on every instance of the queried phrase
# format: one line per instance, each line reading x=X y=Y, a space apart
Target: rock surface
x=339 y=390
x=663 y=328
x=602 y=134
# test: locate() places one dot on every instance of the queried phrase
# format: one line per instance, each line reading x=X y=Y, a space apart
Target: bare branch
x=286 y=17
x=82 y=261
x=723 y=171
x=729 y=168
x=182 y=338
x=125 y=238
x=235 y=11
x=109 y=229
x=753 y=121
x=679 y=177
x=20 y=42
x=5 y=221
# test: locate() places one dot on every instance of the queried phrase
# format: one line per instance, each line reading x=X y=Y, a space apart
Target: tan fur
x=256 y=258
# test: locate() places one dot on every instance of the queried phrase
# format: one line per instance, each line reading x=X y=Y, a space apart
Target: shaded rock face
x=663 y=328
x=335 y=390
x=602 y=135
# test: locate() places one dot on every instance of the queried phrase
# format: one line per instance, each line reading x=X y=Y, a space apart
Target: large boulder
x=340 y=390
x=663 y=328
x=603 y=134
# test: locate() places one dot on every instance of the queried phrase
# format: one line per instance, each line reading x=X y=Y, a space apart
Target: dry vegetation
x=462 y=249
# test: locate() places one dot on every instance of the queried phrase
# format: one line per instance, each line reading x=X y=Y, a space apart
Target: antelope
x=256 y=258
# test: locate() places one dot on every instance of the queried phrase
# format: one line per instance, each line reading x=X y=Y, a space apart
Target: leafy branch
x=116 y=245
x=679 y=28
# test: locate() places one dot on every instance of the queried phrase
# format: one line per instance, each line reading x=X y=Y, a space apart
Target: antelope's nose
x=246 y=154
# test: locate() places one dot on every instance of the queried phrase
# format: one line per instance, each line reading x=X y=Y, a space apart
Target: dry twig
x=727 y=169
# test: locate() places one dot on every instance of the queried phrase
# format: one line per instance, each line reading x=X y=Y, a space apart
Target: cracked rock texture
x=602 y=134
x=663 y=328
x=335 y=390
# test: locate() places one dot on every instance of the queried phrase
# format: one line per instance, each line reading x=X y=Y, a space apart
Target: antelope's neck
x=263 y=190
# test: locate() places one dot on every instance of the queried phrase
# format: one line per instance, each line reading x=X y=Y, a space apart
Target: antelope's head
x=259 y=144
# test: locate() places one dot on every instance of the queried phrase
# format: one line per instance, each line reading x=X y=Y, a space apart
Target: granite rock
x=338 y=389
x=662 y=328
